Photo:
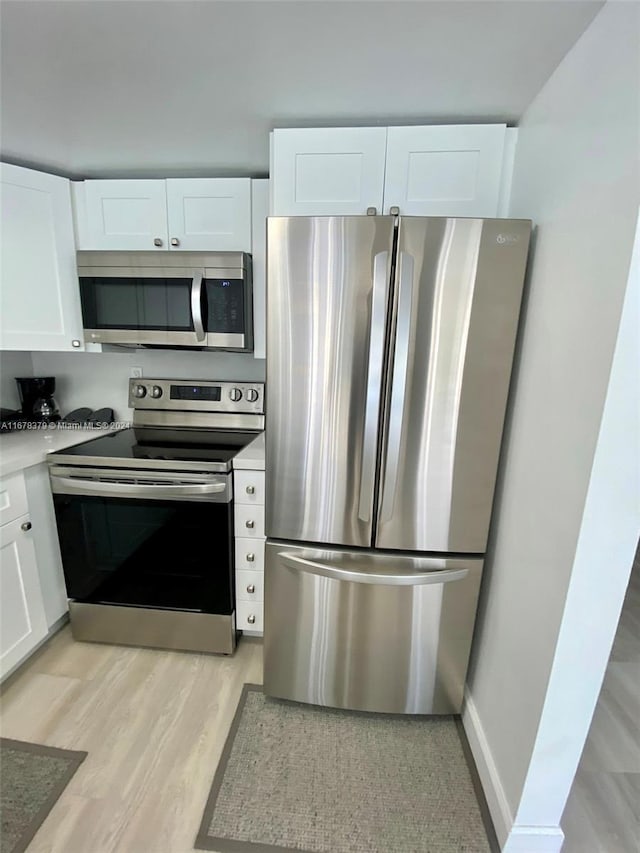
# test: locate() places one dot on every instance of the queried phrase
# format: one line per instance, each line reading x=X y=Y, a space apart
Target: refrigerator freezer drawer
x=368 y=631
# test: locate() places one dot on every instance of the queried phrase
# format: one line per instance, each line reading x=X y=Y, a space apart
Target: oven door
x=145 y=539
x=143 y=305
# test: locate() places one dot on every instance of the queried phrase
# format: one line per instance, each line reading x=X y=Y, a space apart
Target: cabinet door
x=259 y=213
x=39 y=299
x=124 y=215
x=445 y=170
x=328 y=171
x=209 y=214
x=22 y=618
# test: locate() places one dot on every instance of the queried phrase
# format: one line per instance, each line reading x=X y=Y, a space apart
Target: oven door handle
x=76 y=486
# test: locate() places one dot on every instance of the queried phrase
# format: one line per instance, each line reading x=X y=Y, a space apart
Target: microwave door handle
x=397 y=578
x=196 y=304
x=398 y=385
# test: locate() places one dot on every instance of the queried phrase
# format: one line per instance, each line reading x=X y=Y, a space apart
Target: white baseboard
x=511 y=838
x=487 y=771
x=534 y=839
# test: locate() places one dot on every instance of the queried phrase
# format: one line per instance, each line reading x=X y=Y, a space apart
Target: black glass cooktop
x=162 y=444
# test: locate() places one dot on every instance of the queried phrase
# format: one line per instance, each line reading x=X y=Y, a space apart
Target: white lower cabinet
x=249 y=549
x=32 y=592
x=23 y=623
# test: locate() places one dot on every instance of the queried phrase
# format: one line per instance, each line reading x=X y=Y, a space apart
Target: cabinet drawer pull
x=251 y=619
x=249 y=523
x=26 y=525
x=250 y=490
x=251 y=588
x=250 y=558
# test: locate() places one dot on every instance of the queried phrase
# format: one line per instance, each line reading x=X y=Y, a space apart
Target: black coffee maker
x=36 y=399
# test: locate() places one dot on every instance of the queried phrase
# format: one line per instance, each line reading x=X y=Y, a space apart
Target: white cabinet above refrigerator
x=435 y=170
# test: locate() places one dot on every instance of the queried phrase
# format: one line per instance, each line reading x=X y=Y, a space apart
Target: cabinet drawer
x=249 y=520
x=249 y=555
x=249 y=616
x=245 y=581
x=13 y=498
x=249 y=487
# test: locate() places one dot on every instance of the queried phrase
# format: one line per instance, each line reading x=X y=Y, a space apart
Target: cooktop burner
x=132 y=446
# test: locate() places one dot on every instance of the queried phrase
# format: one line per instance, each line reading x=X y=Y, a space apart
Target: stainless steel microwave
x=171 y=299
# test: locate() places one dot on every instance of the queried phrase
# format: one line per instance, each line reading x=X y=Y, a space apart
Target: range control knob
x=156 y=391
x=139 y=391
x=235 y=394
x=252 y=395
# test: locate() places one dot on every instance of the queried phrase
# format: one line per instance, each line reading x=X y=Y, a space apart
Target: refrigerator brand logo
x=509 y=239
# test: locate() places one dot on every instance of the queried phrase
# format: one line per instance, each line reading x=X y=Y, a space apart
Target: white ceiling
x=99 y=88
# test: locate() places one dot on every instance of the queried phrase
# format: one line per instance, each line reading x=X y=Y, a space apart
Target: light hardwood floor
x=603 y=811
x=153 y=723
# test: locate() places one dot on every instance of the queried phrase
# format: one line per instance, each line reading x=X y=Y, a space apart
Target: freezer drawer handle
x=374 y=384
x=396 y=579
x=399 y=385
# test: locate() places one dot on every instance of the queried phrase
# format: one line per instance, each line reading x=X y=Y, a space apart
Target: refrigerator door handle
x=374 y=384
x=399 y=384
x=396 y=578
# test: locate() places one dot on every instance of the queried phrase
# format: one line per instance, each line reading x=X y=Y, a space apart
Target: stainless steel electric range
x=145 y=517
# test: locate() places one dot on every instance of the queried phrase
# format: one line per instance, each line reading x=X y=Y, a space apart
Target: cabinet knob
x=394 y=211
x=175 y=241
x=75 y=343
x=157 y=241
x=251 y=490
x=250 y=558
x=371 y=211
x=251 y=619
x=249 y=523
x=251 y=588
x=26 y=525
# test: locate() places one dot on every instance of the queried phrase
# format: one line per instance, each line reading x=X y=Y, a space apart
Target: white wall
x=102 y=379
x=576 y=176
x=13 y=364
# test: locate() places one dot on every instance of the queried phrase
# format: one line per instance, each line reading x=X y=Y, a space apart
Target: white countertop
x=24 y=448
x=252 y=456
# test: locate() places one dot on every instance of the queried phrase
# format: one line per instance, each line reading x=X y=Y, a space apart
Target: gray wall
x=13 y=364
x=576 y=176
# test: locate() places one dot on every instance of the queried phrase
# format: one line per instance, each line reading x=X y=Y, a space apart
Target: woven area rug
x=319 y=780
x=32 y=777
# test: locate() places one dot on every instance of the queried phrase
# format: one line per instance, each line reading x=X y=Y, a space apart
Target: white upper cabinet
x=327 y=171
x=260 y=211
x=39 y=299
x=445 y=170
x=123 y=215
x=209 y=213
x=438 y=170
x=194 y=214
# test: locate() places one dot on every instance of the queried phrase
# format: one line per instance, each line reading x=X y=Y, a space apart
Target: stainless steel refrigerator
x=390 y=345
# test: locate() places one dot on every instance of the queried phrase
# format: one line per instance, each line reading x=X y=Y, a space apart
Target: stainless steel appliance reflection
x=390 y=345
